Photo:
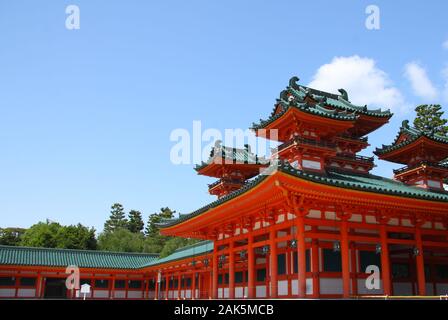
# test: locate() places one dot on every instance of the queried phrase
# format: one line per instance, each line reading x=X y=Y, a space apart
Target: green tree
x=173 y=244
x=155 y=242
x=121 y=240
x=135 y=223
x=76 y=237
x=429 y=119
x=11 y=236
x=117 y=218
x=152 y=230
x=53 y=235
x=41 y=234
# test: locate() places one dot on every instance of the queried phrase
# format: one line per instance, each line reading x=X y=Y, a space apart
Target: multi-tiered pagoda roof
x=424 y=154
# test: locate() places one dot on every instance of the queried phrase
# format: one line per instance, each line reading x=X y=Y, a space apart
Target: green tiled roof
x=294 y=97
x=235 y=155
x=413 y=134
x=28 y=256
x=362 y=182
x=368 y=182
x=193 y=250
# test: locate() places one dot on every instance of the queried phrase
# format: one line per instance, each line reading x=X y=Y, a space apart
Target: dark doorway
x=55 y=288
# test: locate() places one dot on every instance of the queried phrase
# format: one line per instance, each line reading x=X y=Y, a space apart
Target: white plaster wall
x=393 y=222
x=406 y=223
x=280 y=218
x=309 y=286
x=331 y=286
x=26 y=293
x=260 y=292
x=438 y=226
x=282 y=288
x=135 y=294
x=226 y=292
x=101 y=294
x=119 y=294
x=295 y=287
x=315 y=214
x=371 y=219
x=4 y=293
x=356 y=218
x=239 y=292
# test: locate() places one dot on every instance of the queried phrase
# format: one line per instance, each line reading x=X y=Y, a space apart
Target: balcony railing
x=362 y=139
x=229 y=181
x=426 y=163
x=355 y=158
x=310 y=142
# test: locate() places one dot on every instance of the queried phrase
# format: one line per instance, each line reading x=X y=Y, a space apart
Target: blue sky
x=86 y=115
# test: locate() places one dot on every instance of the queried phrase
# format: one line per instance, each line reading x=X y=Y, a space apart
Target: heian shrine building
x=309 y=222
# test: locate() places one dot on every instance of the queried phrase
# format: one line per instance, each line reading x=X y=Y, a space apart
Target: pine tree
x=152 y=231
x=117 y=218
x=135 y=224
x=429 y=119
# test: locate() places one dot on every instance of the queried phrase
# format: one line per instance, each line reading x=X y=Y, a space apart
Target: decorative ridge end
x=344 y=94
x=293 y=82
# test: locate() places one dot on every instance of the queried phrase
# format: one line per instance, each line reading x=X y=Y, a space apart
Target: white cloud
x=420 y=82
x=364 y=82
x=445 y=44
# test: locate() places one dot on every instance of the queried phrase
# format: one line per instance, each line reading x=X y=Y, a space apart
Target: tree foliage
x=117 y=218
x=53 y=235
x=121 y=240
x=429 y=119
x=135 y=223
x=173 y=244
x=11 y=236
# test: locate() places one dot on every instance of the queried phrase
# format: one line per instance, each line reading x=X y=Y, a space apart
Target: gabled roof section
x=411 y=134
x=225 y=155
x=362 y=182
x=297 y=96
x=50 y=257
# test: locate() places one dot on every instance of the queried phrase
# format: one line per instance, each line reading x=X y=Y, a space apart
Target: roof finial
x=405 y=124
x=344 y=94
x=293 y=82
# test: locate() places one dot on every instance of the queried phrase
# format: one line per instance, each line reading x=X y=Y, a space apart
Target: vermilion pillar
x=112 y=290
x=315 y=267
x=231 y=271
x=345 y=259
x=385 y=264
x=38 y=284
x=178 y=286
x=353 y=268
x=274 y=261
x=301 y=256
x=156 y=291
x=215 y=272
x=193 y=286
x=167 y=279
x=420 y=262
x=251 y=267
